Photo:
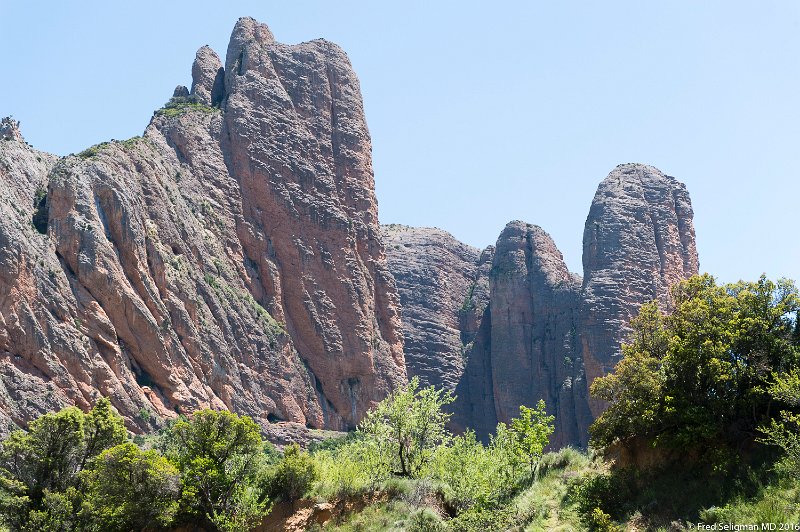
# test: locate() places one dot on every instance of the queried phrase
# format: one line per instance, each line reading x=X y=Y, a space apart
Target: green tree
x=130 y=489
x=59 y=512
x=219 y=455
x=471 y=473
x=407 y=426
x=531 y=431
x=785 y=431
x=38 y=467
x=698 y=376
x=103 y=429
x=635 y=389
x=503 y=446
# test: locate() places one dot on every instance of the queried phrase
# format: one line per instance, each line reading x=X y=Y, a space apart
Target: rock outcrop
x=546 y=333
x=229 y=258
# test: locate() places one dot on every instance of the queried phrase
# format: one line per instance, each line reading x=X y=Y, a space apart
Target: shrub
x=609 y=492
x=697 y=378
x=405 y=428
x=482 y=520
x=425 y=520
x=221 y=460
x=560 y=460
x=600 y=521
x=178 y=105
x=341 y=473
x=471 y=474
x=531 y=431
x=294 y=474
x=37 y=467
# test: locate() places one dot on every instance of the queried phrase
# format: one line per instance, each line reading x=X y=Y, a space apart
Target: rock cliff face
x=546 y=333
x=231 y=257
x=442 y=290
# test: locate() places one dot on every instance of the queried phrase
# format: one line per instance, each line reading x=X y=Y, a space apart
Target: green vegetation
x=130 y=489
x=41 y=209
x=698 y=378
x=404 y=430
x=178 y=105
x=224 y=289
x=697 y=394
x=701 y=426
x=93 y=151
x=294 y=474
x=131 y=142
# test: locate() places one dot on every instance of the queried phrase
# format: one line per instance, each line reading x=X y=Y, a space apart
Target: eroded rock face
x=229 y=258
x=437 y=278
x=546 y=333
x=208 y=77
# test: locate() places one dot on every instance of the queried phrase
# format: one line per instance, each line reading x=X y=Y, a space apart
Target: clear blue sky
x=480 y=112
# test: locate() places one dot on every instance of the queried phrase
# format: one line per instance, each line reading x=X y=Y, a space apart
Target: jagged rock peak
x=546 y=333
x=638 y=241
x=246 y=31
x=208 y=77
x=9 y=129
x=218 y=262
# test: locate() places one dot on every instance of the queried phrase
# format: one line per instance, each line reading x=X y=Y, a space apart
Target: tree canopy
x=700 y=373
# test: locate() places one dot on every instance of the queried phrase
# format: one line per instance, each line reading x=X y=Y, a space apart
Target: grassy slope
x=548 y=505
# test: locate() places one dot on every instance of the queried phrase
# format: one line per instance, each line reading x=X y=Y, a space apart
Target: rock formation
x=229 y=258
x=545 y=333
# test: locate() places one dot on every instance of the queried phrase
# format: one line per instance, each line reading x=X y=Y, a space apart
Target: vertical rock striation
x=638 y=241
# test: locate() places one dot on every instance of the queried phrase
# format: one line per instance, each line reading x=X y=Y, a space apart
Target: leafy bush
x=341 y=472
x=404 y=429
x=531 y=431
x=609 y=492
x=471 y=474
x=785 y=432
x=131 y=489
x=93 y=151
x=425 y=520
x=221 y=460
x=600 y=521
x=294 y=474
x=560 y=460
x=38 y=466
x=178 y=105
x=482 y=520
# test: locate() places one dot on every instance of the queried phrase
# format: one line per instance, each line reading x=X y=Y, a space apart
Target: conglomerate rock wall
x=230 y=257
